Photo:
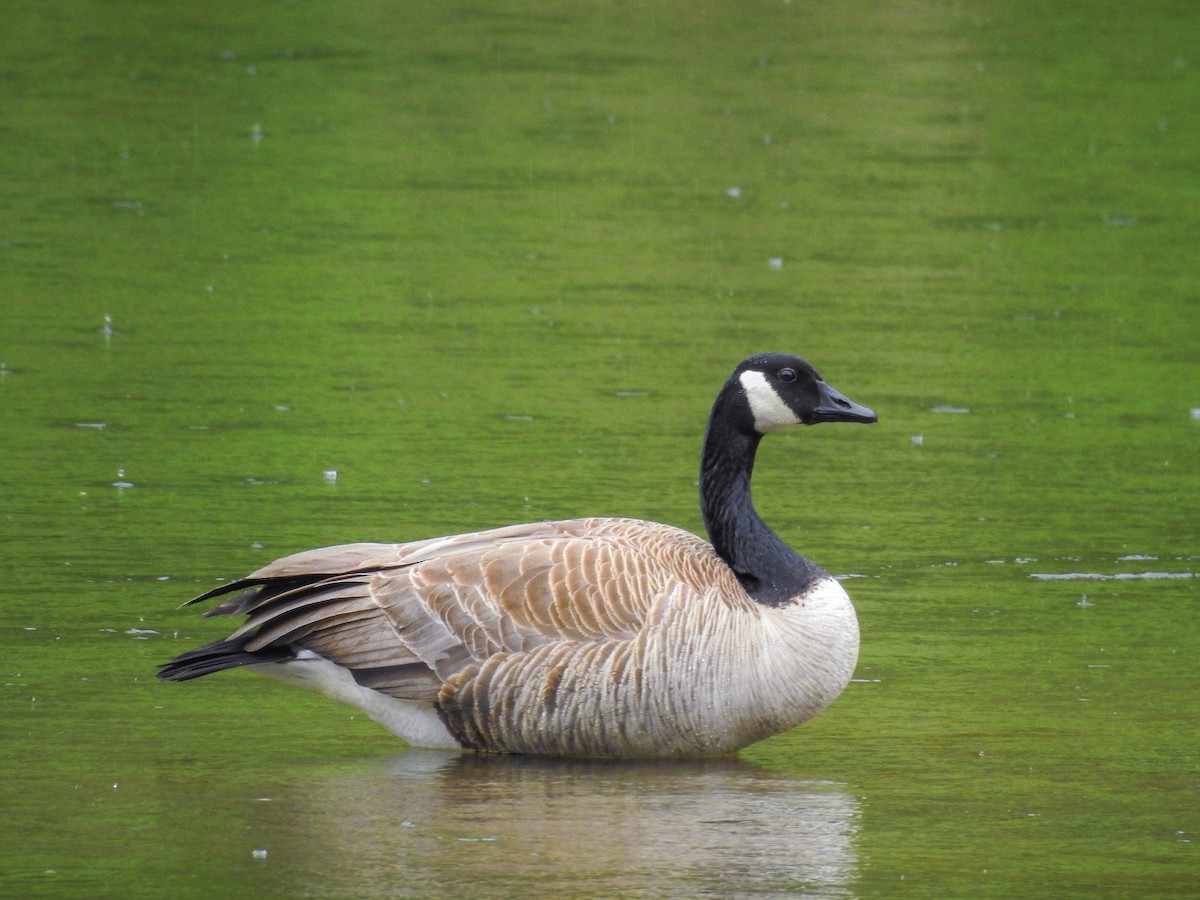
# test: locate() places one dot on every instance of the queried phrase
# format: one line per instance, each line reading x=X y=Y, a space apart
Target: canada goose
x=587 y=637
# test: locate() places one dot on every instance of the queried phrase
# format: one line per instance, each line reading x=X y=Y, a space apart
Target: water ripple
x=1119 y=576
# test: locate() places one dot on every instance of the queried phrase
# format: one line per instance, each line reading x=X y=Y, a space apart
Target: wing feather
x=440 y=618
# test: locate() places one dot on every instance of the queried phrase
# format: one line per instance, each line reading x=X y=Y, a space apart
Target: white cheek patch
x=770 y=412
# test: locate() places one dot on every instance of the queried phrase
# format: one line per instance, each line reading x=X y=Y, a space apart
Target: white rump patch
x=417 y=723
x=770 y=412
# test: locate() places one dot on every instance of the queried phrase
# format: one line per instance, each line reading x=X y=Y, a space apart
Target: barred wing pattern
x=580 y=637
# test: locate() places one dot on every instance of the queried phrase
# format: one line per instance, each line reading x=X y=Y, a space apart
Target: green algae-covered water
x=280 y=275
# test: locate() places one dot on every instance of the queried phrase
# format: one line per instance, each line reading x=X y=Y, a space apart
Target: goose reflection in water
x=433 y=824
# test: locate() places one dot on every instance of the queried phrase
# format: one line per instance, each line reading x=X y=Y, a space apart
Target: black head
x=783 y=391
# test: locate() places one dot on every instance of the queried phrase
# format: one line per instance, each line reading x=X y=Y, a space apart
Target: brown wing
x=407 y=618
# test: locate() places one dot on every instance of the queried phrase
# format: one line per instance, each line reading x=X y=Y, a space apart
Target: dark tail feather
x=218 y=656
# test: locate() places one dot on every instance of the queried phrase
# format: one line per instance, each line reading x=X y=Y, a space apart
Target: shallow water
x=489 y=264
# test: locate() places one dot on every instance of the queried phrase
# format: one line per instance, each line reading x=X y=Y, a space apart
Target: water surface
x=489 y=264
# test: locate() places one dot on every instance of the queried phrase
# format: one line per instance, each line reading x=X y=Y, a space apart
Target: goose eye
x=787 y=375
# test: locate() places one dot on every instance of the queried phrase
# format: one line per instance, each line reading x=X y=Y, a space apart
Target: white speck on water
x=408 y=824
x=330 y=474
x=1135 y=556
x=281 y=407
x=918 y=439
x=106 y=329
x=519 y=418
x=163 y=578
x=1084 y=601
x=121 y=483
x=950 y=409
x=775 y=262
x=257 y=545
x=733 y=191
x=1195 y=413
x=1120 y=220
x=259 y=853
x=140 y=631
x=97 y=425
x=256 y=132
x=209 y=288
x=633 y=393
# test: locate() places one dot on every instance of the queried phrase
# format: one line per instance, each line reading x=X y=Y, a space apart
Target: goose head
x=766 y=392
x=783 y=391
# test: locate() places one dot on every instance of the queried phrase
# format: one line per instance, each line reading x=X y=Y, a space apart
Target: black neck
x=769 y=570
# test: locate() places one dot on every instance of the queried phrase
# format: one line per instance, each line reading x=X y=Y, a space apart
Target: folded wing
x=407 y=619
